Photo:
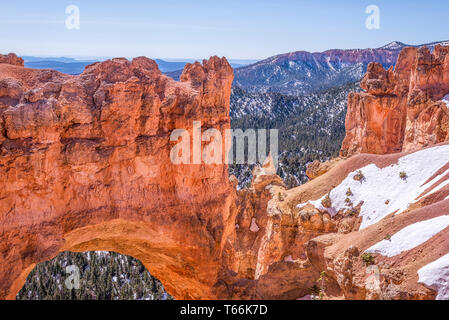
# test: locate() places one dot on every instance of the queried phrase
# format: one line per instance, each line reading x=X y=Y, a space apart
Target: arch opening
x=92 y=275
x=173 y=263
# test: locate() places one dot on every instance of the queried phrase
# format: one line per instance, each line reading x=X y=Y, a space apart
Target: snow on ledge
x=410 y=237
x=446 y=100
x=307 y=297
x=436 y=275
x=382 y=191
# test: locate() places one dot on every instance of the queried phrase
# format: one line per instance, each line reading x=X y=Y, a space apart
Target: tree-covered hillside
x=103 y=276
x=311 y=127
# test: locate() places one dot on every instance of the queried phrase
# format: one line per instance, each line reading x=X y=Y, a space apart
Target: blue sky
x=197 y=29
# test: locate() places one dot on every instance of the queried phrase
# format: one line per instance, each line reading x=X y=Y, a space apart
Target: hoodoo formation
x=401 y=109
x=85 y=165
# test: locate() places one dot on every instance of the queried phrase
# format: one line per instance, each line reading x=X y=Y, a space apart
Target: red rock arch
x=85 y=166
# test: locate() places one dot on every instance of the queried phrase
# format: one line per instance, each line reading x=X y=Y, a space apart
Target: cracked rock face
x=401 y=109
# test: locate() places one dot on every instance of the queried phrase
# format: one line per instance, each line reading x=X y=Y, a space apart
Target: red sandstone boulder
x=11 y=58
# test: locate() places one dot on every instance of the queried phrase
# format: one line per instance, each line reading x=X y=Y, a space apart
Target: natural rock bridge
x=85 y=166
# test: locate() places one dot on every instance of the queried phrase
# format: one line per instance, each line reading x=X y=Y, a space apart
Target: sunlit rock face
x=85 y=165
x=11 y=59
x=401 y=108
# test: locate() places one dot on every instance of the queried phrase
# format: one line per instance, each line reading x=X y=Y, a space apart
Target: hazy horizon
x=91 y=58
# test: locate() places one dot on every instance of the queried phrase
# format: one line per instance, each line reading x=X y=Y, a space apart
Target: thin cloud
x=120 y=24
x=30 y=21
x=172 y=26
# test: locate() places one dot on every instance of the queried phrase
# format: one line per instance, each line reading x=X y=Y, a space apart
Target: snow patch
x=446 y=100
x=395 y=45
x=307 y=297
x=302 y=205
x=436 y=276
x=382 y=184
x=410 y=237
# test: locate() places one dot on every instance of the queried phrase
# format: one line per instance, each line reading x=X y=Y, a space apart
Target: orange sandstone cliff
x=401 y=108
x=85 y=165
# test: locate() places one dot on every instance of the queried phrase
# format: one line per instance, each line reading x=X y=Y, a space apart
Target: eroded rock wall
x=401 y=108
x=85 y=165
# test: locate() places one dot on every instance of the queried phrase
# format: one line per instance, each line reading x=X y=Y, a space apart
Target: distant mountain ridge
x=397 y=45
x=303 y=72
x=74 y=66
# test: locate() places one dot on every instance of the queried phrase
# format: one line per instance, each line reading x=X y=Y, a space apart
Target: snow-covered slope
x=397 y=45
x=383 y=191
x=393 y=219
x=410 y=237
x=436 y=275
